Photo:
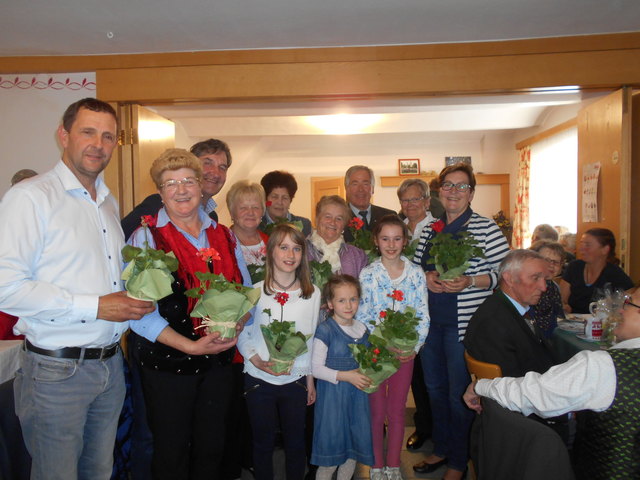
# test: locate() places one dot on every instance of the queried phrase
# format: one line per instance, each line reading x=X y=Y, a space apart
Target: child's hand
x=355 y=378
x=265 y=366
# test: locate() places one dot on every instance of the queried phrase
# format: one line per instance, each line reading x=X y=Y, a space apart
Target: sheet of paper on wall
x=590 y=175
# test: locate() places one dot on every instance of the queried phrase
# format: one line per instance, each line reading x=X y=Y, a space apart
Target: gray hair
x=414 y=182
x=545 y=231
x=356 y=168
x=514 y=260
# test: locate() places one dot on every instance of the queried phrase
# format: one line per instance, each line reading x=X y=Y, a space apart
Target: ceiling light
x=343 y=123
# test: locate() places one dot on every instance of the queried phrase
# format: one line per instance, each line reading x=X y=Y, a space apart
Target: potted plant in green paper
x=221 y=303
x=375 y=361
x=148 y=273
x=451 y=253
x=284 y=343
x=398 y=328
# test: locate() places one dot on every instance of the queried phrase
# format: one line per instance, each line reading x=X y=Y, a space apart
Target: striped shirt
x=495 y=248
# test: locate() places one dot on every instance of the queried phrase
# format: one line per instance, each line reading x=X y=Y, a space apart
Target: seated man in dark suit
x=499 y=331
x=605 y=384
x=216 y=160
x=359 y=183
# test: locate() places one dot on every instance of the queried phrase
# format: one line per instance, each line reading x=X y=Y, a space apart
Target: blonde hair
x=174 y=159
x=244 y=189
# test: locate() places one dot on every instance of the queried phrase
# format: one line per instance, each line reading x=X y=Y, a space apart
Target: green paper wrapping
x=221 y=310
x=407 y=346
x=152 y=284
x=293 y=346
x=378 y=377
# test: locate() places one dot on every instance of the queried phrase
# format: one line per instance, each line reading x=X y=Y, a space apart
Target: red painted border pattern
x=52 y=84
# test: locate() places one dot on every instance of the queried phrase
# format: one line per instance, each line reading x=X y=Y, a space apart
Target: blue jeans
x=69 y=411
x=447 y=378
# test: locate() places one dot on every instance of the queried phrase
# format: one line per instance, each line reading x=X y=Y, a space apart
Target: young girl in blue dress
x=392 y=271
x=342 y=433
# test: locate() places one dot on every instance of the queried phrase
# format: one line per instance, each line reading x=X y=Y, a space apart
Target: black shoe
x=424 y=467
x=415 y=441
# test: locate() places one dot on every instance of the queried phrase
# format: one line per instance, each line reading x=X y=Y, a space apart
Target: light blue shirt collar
x=521 y=310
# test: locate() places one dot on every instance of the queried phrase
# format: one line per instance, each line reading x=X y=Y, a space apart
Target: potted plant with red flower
x=362 y=238
x=398 y=328
x=221 y=303
x=375 y=361
x=284 y=343
x=451 y=253
x=148 y=273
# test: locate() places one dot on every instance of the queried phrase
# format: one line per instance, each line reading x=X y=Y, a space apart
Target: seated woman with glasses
x=549 y=308
x=414 y=203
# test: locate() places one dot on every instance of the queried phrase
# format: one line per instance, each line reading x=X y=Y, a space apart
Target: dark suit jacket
x=376 y=214
x=149 y=206
x=497 y=333
x=506 y=445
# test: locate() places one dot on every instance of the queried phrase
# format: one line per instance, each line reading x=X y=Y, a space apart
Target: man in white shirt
x=605 y=382
x=60 y=268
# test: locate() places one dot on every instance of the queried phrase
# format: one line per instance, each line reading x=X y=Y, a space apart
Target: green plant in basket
x=148 y=273
x=284 y=343
x=451 y=252
x=221 y=303
x=375 y=361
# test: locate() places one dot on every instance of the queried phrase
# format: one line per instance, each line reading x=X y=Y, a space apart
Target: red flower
x=282 y=298
x=374 y=360
x=383 y=314
x=268 y=203
x=376 y=351
x=356 y=223
x=147 y=221
x=397 y=295
x=437 y=226
x=208 y=254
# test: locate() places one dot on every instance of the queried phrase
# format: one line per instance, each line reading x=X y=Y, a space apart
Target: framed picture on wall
x=409 y=166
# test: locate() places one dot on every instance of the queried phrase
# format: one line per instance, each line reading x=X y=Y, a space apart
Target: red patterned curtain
x=521 y=213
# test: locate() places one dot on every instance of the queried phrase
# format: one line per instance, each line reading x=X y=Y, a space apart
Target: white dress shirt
x=251 y=342
x=59 y=252
x=586 y=382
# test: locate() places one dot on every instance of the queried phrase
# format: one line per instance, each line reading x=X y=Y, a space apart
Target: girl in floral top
x=392 y=272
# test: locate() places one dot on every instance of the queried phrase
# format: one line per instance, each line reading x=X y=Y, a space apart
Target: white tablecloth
x=9 y=358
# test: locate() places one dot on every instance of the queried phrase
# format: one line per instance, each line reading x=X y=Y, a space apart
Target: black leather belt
x=76 y=353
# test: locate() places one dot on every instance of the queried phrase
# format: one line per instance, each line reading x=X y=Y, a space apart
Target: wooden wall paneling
x=604 y=136
x=633 y=207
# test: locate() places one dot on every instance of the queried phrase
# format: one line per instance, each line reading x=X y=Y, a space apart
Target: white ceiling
x=77 y=27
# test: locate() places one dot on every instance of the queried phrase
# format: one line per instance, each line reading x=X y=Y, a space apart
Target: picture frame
x=408 y=166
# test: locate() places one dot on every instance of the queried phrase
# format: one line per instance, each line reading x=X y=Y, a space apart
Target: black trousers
x=271 y=406
x=187 y=416
x=422 y=418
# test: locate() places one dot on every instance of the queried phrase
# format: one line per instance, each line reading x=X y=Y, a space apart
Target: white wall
x=31 y=108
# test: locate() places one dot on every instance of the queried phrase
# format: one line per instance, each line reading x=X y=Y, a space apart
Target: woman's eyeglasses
x=172 y=185
x=461 y=187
